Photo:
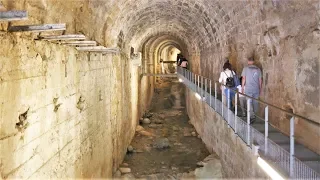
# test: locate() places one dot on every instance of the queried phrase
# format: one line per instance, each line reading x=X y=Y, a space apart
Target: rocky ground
x=166 y=146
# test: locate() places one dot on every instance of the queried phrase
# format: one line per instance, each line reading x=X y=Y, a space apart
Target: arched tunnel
x=78 y=79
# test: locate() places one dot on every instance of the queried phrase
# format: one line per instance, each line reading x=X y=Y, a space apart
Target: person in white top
x=184 y=63
x=227 y=72
x=242 y=99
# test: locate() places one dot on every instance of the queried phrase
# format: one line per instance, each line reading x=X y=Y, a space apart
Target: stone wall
x=237 y=159
x=283 y=38
x=63 y=113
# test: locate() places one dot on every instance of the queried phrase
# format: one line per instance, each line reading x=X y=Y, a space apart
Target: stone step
x=98 y=49
x=13 y=15
x=37 y=28
x=67 y=37
x=79 y=43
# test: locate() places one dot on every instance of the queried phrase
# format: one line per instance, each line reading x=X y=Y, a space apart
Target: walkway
x=168 y=147
x=275 y=148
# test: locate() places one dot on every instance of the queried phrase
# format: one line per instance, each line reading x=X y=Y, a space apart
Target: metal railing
x=285 y=161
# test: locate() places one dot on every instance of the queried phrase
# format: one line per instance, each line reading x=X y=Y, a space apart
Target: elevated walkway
x=291 y=159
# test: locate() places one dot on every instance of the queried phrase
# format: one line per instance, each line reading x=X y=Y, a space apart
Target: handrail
x=268 y=104
x=273 y=106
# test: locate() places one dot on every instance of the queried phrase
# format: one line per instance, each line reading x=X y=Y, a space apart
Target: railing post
x=266 y=129
x=248 y=121
x=205 y=87
x=235 y=112
x=215 y=95
x=195 y=82
x=291 y=147
x=198 y=84
x=222 y=104
x=228 y=105
x=201 y=92
x=196 y=90
x=187 y=74
x=210 y=91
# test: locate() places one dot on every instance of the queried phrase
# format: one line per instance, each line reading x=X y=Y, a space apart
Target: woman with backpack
x=228 y=78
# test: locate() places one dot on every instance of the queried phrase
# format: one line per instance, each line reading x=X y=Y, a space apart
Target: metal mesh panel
x=302 y=171
x=207 y=98
x=242 y=129
x=257 y=138
x=218 y=107
x=278 y=156
x=231 y=118
x=225 y=113
x=212 y=102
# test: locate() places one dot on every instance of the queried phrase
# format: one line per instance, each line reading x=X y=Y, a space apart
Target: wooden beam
x=13 y=15
x=68 y=37
x=98 y=49
x=79 y=43
x=38 y=28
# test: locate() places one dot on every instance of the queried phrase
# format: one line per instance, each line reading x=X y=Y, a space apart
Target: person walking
x=179 y=58
x=225 y=76
x=252 y=80
x=184 y=63
x=242 y=99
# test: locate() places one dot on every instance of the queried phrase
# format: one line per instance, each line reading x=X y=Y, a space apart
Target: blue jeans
x=232 y=93
x=254 y=105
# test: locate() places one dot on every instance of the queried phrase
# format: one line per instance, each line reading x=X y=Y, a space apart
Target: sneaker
x=252 y=119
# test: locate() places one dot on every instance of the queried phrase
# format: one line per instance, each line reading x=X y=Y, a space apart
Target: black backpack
x=230 y=81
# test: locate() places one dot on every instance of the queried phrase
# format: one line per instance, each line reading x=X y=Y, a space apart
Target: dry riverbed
x=166 y=146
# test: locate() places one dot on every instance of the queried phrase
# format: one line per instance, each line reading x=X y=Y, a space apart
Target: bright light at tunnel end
x=268 y=169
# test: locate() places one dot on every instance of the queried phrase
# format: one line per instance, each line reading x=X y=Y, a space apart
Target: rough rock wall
x=283 y=37
x=63 y=113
